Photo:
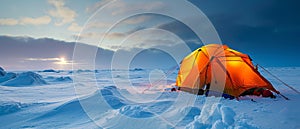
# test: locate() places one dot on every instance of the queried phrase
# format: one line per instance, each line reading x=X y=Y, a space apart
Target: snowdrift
x=26 y=79
x=50 y=71
x=56 y=105
x=60 y=79
x=7 y=77
x=222 y=118
x=2 y=72
x=63 y=79
x=9 y=107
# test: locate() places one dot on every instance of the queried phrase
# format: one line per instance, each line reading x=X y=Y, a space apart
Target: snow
x=49 y=70
x=61 y=79
x=9 y=107
x=2 y=72
x=7 y=77
x=227 y=115
x=63 y=102
x=25 y=79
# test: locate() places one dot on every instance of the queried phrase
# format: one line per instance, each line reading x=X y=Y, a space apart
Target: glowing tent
x=224 y=69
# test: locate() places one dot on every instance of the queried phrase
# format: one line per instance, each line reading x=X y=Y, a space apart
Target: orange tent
x=224 y=69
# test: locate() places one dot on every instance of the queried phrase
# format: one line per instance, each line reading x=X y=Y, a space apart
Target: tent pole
x=286 y=98
x=279 y=80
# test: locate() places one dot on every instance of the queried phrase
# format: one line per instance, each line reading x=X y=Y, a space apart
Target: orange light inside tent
x=240 y=75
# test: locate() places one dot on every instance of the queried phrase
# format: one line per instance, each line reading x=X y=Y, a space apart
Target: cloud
x=122 y=7
x=137 y=19
x=181 y=30
x=61 y=61
x=142 y=39
x=96 y=35
x=35 y=21
x=97 y=5
x=74 y=27
x=26 y=21
x=43 y=59
x=129 y=21
x=8 y=22
x=93 y=35
x=64 y=14
x=138 y=28
x=115 y=35
x=97 y=25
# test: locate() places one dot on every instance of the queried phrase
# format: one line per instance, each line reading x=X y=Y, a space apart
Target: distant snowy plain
x=124 y=99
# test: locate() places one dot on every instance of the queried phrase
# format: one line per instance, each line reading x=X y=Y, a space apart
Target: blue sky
x=266 y=30
x=49 y=25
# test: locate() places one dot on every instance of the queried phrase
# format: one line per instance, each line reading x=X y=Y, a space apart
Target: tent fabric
x=224 y=69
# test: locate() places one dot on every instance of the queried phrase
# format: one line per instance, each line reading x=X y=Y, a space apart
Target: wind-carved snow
x=7 y=76
x=55 y=104
x=61 y=79
x=25 y=79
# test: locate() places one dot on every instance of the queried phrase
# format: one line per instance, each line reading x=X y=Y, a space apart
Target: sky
x=266 y=30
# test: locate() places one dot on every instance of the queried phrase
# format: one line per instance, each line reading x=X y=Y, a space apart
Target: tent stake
x=280 y=80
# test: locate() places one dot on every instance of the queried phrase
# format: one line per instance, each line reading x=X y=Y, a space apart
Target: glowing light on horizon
x=62 y=60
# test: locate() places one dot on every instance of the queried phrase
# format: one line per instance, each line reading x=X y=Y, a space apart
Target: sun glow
x=62 y=60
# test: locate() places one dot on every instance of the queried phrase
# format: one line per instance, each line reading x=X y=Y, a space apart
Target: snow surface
x=25 y=79
x=7 y=76
x=49 y=70
x=59 y=103
x=2 y=72
x=53 y=79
